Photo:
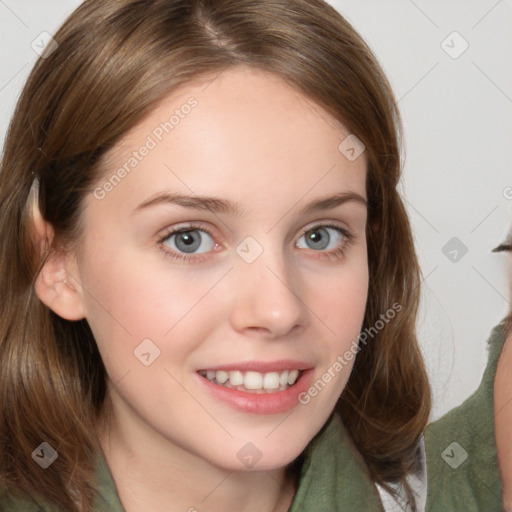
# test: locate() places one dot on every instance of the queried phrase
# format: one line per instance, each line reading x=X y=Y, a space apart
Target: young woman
x=208 y=276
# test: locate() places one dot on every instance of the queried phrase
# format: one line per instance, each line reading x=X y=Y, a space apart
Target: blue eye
x=189 y=241
x=322 y=238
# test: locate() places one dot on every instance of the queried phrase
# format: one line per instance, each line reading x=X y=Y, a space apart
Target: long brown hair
x=116 y=59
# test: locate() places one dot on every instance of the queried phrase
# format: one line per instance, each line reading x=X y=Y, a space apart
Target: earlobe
x=56 y=286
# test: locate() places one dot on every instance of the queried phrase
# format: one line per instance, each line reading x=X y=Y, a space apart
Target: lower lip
x=268 y=403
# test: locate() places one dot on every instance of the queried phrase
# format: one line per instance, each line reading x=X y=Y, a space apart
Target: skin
x=257 y=142
x=503 y=419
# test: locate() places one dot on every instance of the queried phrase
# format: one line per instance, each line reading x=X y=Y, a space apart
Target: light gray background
x=457 y=115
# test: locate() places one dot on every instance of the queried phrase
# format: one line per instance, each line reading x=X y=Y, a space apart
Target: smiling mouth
x=253 y=382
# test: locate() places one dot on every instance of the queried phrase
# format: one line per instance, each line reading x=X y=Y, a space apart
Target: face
x=223 y=271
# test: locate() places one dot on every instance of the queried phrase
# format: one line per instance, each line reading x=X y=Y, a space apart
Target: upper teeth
x=253 y=380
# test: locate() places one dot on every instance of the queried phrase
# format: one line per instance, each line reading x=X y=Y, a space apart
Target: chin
x=259 y=456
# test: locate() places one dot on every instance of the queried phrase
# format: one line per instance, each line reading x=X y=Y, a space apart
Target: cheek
x=126 y=297
x=343 y=302
x=132 y=302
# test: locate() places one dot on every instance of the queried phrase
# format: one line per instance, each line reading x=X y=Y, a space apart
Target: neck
x=153 y=474
x=503 y=419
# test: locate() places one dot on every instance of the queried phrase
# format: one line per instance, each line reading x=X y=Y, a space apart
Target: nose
x=267 y=299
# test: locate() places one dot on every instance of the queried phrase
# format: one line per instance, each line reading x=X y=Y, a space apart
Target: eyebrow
x=216 y=205
x=329 y=202
x=207 y=203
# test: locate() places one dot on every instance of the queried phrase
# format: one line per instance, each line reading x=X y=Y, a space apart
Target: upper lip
x=261 y=366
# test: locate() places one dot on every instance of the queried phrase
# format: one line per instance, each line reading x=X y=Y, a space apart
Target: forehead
x=240 y=131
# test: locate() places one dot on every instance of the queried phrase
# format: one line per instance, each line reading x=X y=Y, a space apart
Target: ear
x=59 y=289
x=57 y=285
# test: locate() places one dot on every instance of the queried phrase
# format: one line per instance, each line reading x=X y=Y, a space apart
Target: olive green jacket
x=462 y=466
x=333 y=478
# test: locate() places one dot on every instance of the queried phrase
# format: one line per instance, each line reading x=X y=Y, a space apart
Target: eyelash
x=181 y=257
x=337 y=253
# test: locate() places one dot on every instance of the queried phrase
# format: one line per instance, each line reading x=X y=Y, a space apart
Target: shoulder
x=334 y=475
x=105 y=500
x=474 y=417
x=12 y=504
x=462 y=465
